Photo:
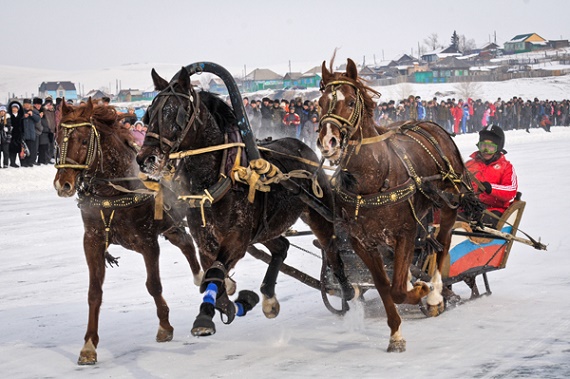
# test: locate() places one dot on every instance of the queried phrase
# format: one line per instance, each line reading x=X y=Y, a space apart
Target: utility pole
x=289 y=67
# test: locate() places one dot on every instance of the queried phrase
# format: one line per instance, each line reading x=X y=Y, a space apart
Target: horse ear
x=159 y=83
x=184 y=79
x=89 y=106
x=351 y=70
x=326 y=73
x=64 y=108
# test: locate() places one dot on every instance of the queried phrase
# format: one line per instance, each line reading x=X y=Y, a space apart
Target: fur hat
x=37 y=100
x=2 y=108
x=27 y=101
x=494 y=134
x=16 y=105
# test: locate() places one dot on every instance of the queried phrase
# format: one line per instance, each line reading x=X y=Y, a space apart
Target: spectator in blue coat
x=464 y=118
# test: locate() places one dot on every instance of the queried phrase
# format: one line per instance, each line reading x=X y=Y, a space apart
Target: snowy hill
x=24 y=82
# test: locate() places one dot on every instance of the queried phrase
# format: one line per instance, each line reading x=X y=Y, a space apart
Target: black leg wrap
x=216 y=273
x=248 y=300
x=203 y=325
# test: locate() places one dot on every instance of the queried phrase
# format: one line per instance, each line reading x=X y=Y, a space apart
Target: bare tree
x=466 y=45
x=468 y=89
x=432 y=41
x=404 y=90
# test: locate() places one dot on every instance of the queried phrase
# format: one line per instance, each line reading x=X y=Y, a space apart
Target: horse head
x=169 y=118
x=78 y=143
x=344 y=102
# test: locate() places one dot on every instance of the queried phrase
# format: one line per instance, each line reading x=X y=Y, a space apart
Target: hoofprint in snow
x=522 y=330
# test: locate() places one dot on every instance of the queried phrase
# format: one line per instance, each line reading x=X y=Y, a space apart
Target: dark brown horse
x=226 y=218
x=97 y=160
x=387 y=181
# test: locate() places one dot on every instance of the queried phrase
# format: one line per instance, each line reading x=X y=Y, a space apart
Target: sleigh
x=474 y=252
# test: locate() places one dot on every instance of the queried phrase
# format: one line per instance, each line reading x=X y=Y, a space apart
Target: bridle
x=346 y=127
x=93 y=147
x=184 y=118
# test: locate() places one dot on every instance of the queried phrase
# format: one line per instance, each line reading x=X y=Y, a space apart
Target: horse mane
x=366 y=91
x=105 y=118
x=222 y=113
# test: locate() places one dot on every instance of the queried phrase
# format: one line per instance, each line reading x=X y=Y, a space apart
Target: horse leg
x=435 y=298
x=150 y=253
x=402 y=291
x=278 y=248
x=94 y=254
x=179 y=238
x=216 y=297
x=375 y=265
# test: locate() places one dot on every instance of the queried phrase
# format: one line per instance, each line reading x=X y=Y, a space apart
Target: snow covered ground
x=521 y=331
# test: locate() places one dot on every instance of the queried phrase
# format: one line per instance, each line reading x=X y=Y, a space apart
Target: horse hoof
x=87 y=358
x=451 y=297
x=397 y=346
x=203 y=327
x=435 y=310
x=270 y=307
x=164 y=335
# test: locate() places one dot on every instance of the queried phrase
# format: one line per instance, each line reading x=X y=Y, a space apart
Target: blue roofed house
x=58 y=89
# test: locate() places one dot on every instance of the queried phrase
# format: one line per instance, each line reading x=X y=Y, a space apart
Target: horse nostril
x=67 y=187
x=152 y=159
x=333 y=142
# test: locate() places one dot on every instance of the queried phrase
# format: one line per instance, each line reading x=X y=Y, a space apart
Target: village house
x=58 y=89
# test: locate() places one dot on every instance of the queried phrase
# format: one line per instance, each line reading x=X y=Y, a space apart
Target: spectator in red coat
x=291 y=121
x=496 y=180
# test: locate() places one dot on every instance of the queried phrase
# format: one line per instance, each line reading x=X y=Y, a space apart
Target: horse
x=193 y=129
x=96 y=154
x=387 y=181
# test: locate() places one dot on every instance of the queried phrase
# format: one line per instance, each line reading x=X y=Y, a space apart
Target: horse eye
x=351 y=103
x=84 y=142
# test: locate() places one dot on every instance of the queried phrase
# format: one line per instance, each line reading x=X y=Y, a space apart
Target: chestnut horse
x=387 y=180
x=97 y=160
x=225 y=219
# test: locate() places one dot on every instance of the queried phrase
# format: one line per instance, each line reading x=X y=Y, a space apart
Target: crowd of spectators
x=27 y=129
x=471 y=116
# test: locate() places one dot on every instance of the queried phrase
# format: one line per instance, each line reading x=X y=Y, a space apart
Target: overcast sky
x=78 y=35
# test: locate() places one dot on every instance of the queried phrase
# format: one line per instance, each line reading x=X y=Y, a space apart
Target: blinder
x=184 y=119
x=93 y=147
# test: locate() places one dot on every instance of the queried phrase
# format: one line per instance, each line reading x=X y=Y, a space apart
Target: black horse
x=228 y=215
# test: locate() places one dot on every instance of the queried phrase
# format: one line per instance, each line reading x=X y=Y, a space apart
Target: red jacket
x=502 y=177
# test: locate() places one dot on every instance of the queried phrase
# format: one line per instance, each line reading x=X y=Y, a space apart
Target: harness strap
x=396 y=195
x=107 y=229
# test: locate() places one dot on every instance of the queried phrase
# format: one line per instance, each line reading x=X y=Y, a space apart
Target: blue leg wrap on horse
x=211 y=293
x=240 y=311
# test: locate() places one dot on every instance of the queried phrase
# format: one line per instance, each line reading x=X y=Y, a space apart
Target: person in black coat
x=16 y=115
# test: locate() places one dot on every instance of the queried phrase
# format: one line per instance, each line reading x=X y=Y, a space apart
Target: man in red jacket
x=497 y=181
